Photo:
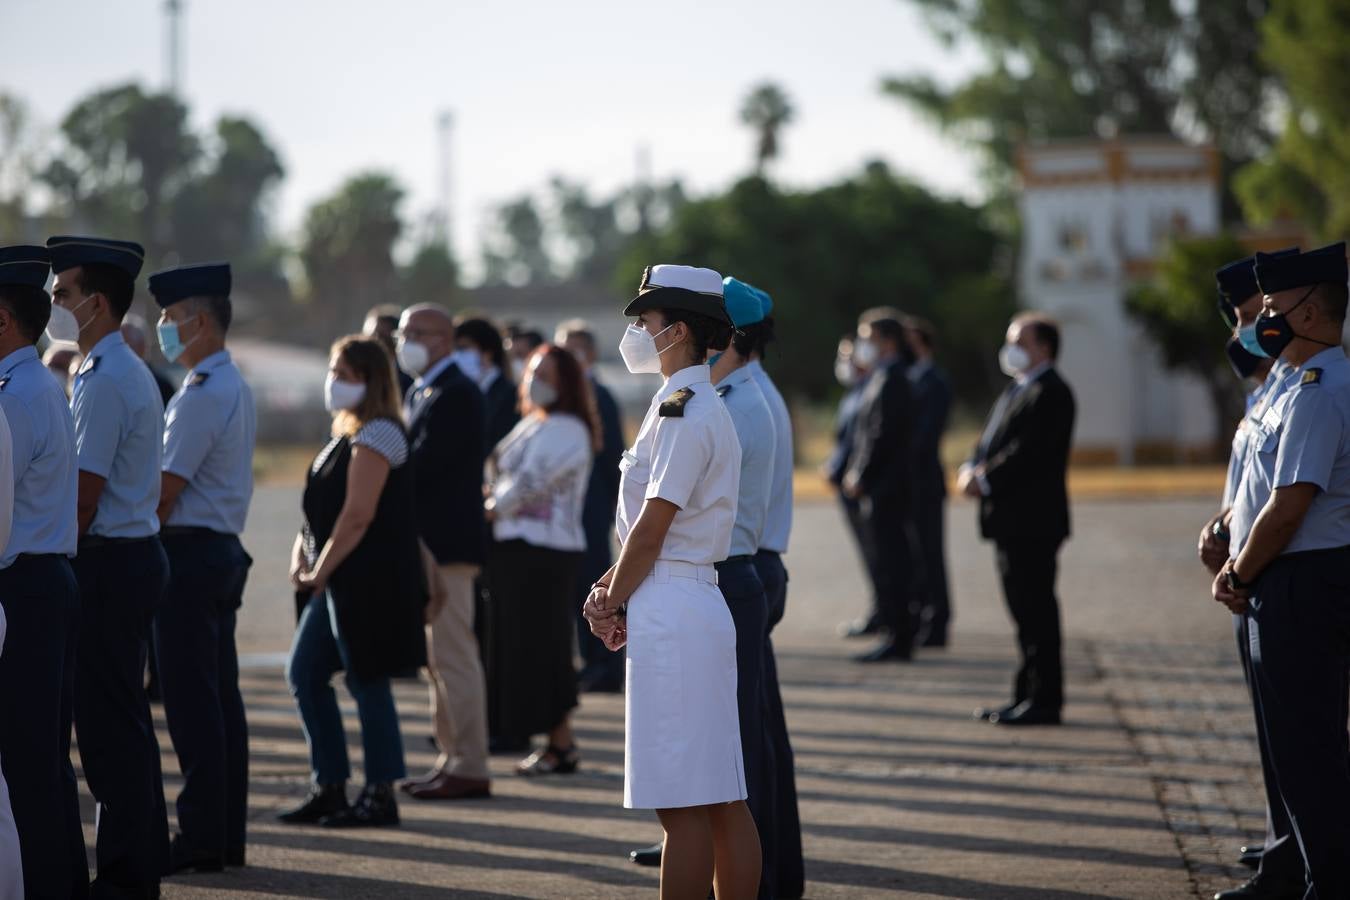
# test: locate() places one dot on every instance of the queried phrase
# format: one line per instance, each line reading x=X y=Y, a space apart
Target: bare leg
x=687 y=861
x=736 y=851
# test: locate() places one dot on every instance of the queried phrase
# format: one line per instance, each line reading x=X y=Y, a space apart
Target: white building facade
x=1095 y=216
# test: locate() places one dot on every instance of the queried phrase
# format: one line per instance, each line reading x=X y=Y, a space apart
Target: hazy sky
x=566 y=86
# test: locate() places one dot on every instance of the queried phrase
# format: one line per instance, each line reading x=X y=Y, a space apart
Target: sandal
x=550 y=760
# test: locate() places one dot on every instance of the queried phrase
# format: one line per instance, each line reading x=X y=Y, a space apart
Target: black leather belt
x=743 y=558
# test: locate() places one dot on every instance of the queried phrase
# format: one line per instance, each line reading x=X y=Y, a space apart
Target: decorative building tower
x=1095 y=216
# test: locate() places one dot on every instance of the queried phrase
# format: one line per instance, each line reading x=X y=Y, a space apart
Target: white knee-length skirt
x=682 y=744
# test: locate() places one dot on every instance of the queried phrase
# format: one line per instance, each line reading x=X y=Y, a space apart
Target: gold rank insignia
x=1312 y=376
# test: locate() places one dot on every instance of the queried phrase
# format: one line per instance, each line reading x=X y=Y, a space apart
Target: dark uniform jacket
x=883 y=439
x=1026 y=461
x=501 y=411
x=932 y=404
x=602 y=494
x=444 y=417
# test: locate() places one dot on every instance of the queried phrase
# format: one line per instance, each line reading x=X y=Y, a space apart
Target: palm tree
x=766 y=110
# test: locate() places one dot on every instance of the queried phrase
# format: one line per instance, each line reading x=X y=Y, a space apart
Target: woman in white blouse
x=536 y=486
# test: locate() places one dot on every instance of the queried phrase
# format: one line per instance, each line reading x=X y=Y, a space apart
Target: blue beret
x=70 y=251
x=204 y=280
x=1325 y=265
x=24 y=265
x=1237 y=280
x=767 y=302
x=743 y=303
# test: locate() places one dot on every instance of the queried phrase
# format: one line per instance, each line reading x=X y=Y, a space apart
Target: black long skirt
x=531 y=623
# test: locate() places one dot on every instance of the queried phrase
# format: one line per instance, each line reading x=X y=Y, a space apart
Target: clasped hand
x=604 y=618
x=1235 y=600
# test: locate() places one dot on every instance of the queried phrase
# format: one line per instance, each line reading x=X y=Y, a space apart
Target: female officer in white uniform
x=677 y=506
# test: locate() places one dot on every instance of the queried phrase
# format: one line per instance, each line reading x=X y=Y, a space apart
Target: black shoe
x=934 y=640
x=887 y=651
x=1267 y=889
x=991 y=713
x=648 y=856
x=857 y=628
x=322 y=800
x=184 y=859
x=375 y=807
x=1028 y=713
x=1250 y=856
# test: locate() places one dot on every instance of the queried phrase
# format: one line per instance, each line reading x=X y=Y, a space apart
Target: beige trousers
x=458 y=686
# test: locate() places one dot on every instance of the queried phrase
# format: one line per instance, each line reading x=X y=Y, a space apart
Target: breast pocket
x=634 y=468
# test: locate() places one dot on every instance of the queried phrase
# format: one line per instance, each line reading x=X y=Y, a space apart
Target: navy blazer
x=602 y=494
x=882 y=459
x=445 y=435
x=501 y=411
x=932 y=405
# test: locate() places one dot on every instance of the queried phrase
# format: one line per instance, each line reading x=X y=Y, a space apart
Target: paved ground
x=1147 y=792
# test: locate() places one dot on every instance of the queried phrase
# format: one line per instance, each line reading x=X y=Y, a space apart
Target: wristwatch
x=1235 y=583
x=1219 y=531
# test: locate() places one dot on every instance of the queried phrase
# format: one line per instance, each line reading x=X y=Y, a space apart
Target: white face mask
x=542 y=394
x=412 y=356
x=865 y=354
x=469 y=362
x=1013 y=360
x=63 y=326
x=844 y=372
x=638 y=349
x=339 y=395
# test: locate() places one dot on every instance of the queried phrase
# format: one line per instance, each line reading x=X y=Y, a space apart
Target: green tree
x=516 y=251
x=767 y=111
x=1177 y=310
x=17 y=163
x=1081 y=67
x=1308 y=175
x=347 y=247
x=431 y=276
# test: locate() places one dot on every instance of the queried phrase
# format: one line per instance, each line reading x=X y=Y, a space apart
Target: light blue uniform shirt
x=119 y=436
x=1304 y=437
x=754 y=430
x=778 y=527
x=208 y=442
x=1237 y=457
x=44 y=458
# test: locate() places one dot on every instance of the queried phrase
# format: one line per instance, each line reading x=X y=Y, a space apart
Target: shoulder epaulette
x=673 y=406
x=1312 y=376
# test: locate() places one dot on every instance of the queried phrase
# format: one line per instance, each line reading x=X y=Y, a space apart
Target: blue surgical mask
x=712 y=360
x=1247 y=337
x=169 y=343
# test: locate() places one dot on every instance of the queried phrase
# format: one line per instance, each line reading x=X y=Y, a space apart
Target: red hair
x=575 y=396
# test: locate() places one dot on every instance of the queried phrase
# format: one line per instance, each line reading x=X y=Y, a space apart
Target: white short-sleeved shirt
x=778 y=526
x=691 y=460
x=119 y=436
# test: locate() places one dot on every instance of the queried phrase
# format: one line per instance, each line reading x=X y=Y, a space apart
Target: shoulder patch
x=90 y=364
x=673 y=406
x=199 y=379
x=724 y=390
x=1312 y=376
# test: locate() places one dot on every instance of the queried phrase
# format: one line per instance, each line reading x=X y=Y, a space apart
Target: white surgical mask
x=844 y=372
x=412 y=356
x=638 y=349
x=865 y=354
x=63 y=326
x=542 y=394
x=1013 y=360
x=469 y=362
x=339 y=394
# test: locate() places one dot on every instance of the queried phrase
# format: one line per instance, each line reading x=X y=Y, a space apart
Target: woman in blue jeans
x=358 y=559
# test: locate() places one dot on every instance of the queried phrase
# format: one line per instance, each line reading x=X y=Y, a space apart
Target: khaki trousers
x=458 y=686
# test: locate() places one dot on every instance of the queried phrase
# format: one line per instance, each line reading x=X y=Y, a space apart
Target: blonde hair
x=368 y=358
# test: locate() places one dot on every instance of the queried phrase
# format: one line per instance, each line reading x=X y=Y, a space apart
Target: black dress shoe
x=857 y=628
x=322 y=800
x=991 y=713
x=1028 y=713
x=1264 y=889
x=375 y=807
x=1250 y=856
x=886 y=651
x=648 y=856
x=183 y=858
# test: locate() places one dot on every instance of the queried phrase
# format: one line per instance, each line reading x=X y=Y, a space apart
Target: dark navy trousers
x=199 y=676
x=789 y=867
x=37 y=687
x=121 y=586
x=749 y=606
x=1299 y=633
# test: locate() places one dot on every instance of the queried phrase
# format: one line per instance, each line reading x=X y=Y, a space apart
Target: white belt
x=666 y=569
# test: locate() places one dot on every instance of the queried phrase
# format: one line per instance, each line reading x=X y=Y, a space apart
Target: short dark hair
x=531 y=338
x=110 y=281
x=1044 y=328
x=30 y=306
x=579 y=329
x=704 y=331
x=485 y=337
x=888 y=328
x=1333 y=299
x=923 y=329
x=218 y=308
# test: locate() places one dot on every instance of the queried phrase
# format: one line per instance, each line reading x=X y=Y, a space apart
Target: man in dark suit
x=603 y=670
x=481 y=354
x=932 y=404
x=881 y=475
x=443 y=407
x=1018 y=473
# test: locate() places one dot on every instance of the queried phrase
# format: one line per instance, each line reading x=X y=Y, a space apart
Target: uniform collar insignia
x=90 y=364
x=199 y=379
x=1312 y=376
x=723 y=390
x=673 y=406
x=4 y=380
